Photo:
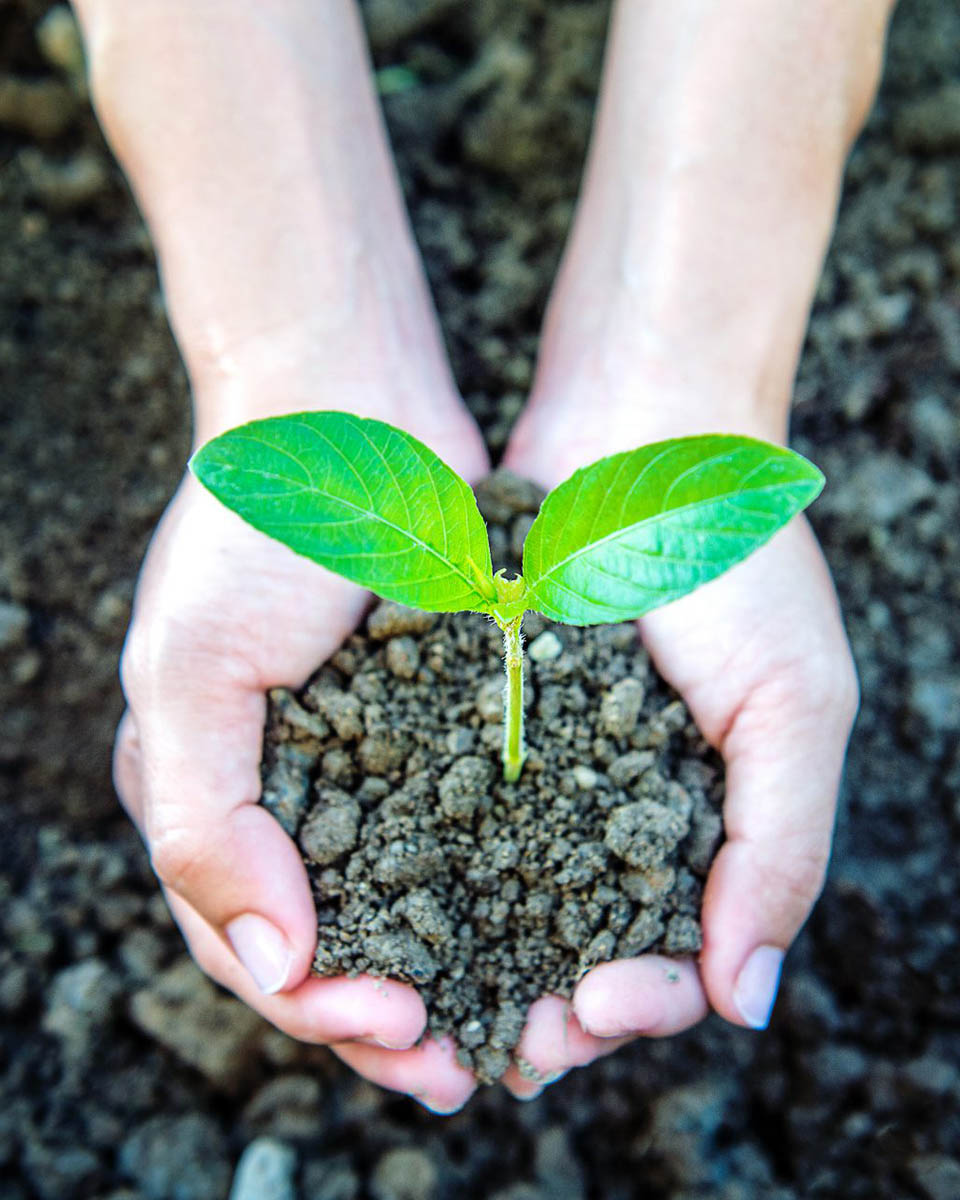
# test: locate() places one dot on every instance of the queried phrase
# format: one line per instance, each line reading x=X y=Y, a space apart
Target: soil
x=427 y=867
x=124 y=1075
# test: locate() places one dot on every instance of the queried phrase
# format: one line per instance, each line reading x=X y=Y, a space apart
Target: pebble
x=490 y=700
x=403 y=1174
x=81 y=998
x=403 y=657
x=291 y=1106
x=14 y=622
x=65 y=186
x=393 y=620
x=585 y=777
x=546 y=647
x=936 y=1175
x=39 y=108
x=177 y=1158
x=58 y=37
x=265 y=1172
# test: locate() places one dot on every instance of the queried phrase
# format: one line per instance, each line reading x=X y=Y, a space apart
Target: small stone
x=177 y=1158
x=490 y=700
x=403 y=657
x=394 y=620
x=620 y=707
x=584 y=777
x=288 y=1107
x=265 y=1172
x=14 y=622
x=936 y=1175
x=40 y=108
x=81 y=999
x=65 y=186
x=557 y=1169
x=58 y=37
x=546 y=647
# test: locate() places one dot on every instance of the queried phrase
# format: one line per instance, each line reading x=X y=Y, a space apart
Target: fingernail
x=262 y=949
x=756 y=986
x=382 y=1043
x=437 y=1107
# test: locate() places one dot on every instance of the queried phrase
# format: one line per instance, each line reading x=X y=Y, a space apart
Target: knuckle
x=178 y=853
x=798 y=876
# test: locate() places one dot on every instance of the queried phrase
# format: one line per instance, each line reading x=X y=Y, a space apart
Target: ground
x=124 y=1074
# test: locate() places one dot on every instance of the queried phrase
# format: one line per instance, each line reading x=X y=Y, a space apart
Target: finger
x=651 y=996
x=196 y=758
x=429 y=1072
x=319 y=1010
x=552 y=1042
x=784 y=756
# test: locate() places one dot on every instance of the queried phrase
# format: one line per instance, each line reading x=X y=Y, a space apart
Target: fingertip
x=650 y=996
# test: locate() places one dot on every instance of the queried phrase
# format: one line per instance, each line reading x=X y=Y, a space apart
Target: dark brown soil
x=427 y=867
x=124 y=1075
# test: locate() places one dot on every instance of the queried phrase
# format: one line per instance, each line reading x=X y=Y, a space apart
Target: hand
x=761 y=658
x=222 y=614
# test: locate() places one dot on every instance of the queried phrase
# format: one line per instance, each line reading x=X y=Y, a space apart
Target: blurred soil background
x=123 y=1073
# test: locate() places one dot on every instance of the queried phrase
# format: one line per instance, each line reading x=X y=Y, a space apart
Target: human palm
x=222 y=615
x=761 y=658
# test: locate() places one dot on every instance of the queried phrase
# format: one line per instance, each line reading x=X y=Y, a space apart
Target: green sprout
x=617 y=539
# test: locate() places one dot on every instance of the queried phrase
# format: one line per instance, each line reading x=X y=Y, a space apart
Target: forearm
x=711 y=190
x=251 y=135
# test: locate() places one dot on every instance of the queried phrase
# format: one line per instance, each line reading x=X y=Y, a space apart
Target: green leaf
x=361 y=498
x=637 y=530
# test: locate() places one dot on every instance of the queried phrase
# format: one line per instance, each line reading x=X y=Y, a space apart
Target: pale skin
x=251 y=135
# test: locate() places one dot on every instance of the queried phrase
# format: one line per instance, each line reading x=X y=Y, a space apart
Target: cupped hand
x=222 y=614
x=761 y=658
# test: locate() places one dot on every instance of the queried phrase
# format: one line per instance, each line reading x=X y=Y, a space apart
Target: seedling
x=617 y=539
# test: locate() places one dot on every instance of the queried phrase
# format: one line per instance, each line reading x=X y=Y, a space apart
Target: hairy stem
x=513 y=749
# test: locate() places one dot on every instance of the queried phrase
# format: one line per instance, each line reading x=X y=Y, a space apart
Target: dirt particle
x=546 y=647
x=390 y=620
x=620 y=707
x=403 y=657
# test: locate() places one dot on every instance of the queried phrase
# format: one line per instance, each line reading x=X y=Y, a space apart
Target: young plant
x=617 y=539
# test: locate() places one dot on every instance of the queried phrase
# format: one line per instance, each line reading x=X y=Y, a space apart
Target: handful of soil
x=428 y=868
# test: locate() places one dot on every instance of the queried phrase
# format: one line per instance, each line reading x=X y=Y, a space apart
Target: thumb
x=187 y=767
x=784 y=755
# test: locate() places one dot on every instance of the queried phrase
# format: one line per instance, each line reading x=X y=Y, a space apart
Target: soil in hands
x=427 y=867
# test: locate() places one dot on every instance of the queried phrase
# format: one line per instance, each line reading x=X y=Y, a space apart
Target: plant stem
x=513 y=749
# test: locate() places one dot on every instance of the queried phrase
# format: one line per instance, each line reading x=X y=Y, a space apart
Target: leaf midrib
x=625 y=529
x=313 y=488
